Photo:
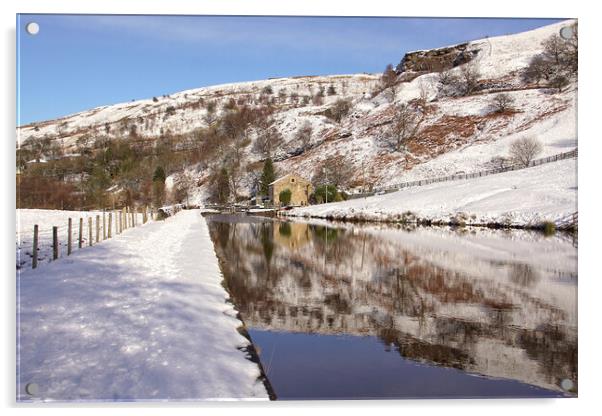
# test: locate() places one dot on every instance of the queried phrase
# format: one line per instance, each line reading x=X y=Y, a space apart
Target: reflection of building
x=291 y=234
x=300 y=189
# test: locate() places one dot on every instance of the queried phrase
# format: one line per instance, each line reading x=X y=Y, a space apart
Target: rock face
x=436 y=60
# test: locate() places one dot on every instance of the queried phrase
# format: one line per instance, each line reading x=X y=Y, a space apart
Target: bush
x=339 y=110
x=325 y=193
x=559 y=82
x=285 y=197
x=549 y=228
x=502 y=103
x=331 y=90
x=267 y=90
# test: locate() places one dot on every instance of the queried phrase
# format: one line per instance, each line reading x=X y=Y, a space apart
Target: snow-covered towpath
x=140 y=317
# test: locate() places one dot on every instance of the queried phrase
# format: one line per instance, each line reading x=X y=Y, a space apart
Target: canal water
x=341 y=311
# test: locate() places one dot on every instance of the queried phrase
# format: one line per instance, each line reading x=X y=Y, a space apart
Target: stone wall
x=300 y=189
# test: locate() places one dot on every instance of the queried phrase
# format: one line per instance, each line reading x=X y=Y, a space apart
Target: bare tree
x=404 y=126
x=469 y=75
x=339 y=109
x=388 y=83
x=524 y=150
x=424 y=88
x=537 y=70
x=389 y=77
x=502 y=103
x=303 y=134
x=268 y=140
x=499 y=162
x=338 y=169
x=559 y=82
x=558 y=59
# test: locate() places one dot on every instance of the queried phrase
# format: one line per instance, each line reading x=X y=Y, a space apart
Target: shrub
x=331 y=90
x=502 y=103
x=267 y=90
x=325 y=193
x=339 y=110
x=285 y=197
x=559 y=82
x=549 y=228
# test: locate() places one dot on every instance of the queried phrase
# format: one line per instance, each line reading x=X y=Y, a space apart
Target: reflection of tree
x=322 y=233
x=267 y=242
x=285 y=229
x=402 y=297
x=523 y=274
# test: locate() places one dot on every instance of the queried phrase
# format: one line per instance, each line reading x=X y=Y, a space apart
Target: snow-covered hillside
x=527 y=197
x=457 y=133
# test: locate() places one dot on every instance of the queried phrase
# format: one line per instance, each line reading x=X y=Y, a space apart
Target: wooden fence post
x=104 y=226
x=55 y=242
x=97 y=228
x=109 y=230
x=133 y=214
x=34 y=260
x=119 y=223
x=81 y=232
x=89 y=231
x=69 y=237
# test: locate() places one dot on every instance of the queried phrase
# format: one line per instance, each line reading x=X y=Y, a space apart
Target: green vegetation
x=325 y=193
x=549 y=228
x=267 y=176
x=285 y=197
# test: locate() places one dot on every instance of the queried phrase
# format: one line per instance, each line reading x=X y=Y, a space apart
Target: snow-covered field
x=48 y=218
x=524 y=197
x=142 y=316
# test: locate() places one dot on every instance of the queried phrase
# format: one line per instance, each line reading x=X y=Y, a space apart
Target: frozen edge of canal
x=142 y=316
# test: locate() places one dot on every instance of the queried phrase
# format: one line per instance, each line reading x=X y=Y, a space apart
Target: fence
x=422 y=182
x=99 y=227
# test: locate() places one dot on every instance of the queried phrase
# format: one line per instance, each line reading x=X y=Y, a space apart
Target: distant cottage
x=300 y=189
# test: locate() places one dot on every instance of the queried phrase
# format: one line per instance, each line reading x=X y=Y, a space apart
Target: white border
x=589 y=190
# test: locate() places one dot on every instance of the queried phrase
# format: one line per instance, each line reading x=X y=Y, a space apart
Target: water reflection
x=493 y=303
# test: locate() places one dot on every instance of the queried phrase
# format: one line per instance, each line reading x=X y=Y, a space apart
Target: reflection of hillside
x=500 y=318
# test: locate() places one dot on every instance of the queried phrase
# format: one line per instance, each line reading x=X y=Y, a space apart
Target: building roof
x=286 y=176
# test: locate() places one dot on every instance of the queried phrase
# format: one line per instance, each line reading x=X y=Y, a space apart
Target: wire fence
x=462 y=176
x=50 y=242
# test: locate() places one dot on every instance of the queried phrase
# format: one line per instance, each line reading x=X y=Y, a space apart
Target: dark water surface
x=351 y=312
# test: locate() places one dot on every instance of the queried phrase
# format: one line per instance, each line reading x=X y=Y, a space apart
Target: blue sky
x=78 y=62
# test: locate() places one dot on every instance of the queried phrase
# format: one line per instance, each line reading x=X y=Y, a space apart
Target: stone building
x=300 y=189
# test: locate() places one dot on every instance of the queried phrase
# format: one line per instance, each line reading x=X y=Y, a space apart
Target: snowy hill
x=456 y=133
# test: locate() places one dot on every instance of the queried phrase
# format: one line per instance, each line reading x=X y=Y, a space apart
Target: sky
x=77 y=62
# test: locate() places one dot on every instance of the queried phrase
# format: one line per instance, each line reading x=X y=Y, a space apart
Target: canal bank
x=528 y=198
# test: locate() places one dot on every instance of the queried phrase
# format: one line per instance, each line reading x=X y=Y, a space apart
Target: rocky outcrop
x=436 y=60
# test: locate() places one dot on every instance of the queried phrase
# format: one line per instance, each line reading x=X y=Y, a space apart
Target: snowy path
x=140 y=317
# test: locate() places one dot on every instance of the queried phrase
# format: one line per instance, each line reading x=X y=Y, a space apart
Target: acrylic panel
x=295 y=208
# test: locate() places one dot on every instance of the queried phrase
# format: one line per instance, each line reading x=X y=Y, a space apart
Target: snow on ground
x=142 y=316
x=46 y=219
x=523 y=197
